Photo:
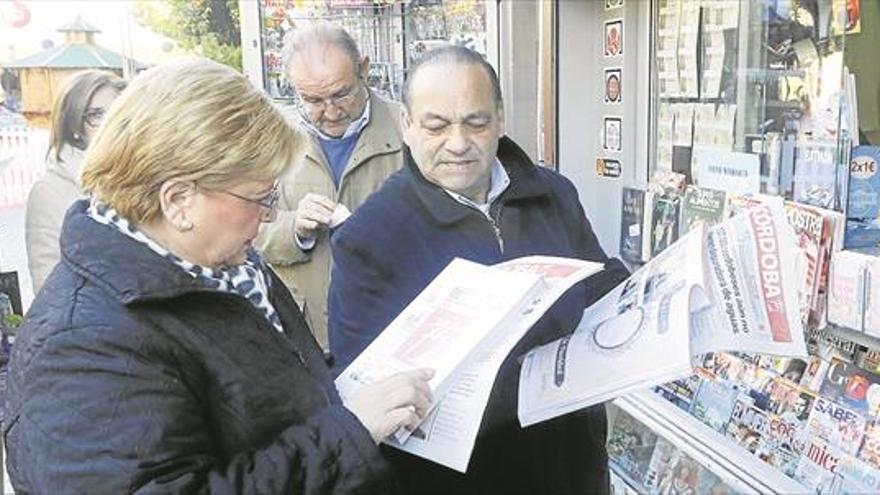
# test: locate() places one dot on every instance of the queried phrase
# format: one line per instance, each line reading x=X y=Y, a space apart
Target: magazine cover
x=747 y=424
x=857 y=476
x=724 y=365
x=680 y=392
x=853 y=387
x=665 y=456
x=792 y=369
x=833 y=227
x=869 y=359
x=672 y=472
x=870 y=449
x=817 y=465
x=782 y=433
x=816 y=174
x=713 y=403
x=759 y=385
x=808 y=225
x=779 y=456
x=836 y=424
x=828 y=469
x=631 y=225
x=863 y=198
x=781 y=393
x=828 y=345
x=701 y=205
x=664 y=223
x=797 y=409
x=687 y=477
x=815 y=373
x=848 y=289
x=818 y=233
x=630 y=446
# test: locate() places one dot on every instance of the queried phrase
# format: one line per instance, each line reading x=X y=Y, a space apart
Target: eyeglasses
x=310 y=104
x=94 y=116
x=269 y=202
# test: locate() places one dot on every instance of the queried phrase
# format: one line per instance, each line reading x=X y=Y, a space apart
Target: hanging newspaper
x=462 y=325
x=731 y=287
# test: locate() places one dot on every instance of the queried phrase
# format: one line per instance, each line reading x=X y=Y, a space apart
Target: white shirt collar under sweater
x=355 y=127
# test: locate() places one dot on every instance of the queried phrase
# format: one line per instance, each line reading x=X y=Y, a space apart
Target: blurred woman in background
x=76 y=115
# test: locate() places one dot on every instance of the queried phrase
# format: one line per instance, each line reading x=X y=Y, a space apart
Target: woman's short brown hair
x=190 y=119
x=68 y=111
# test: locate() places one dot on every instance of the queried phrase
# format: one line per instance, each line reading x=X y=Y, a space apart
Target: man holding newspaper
x=466 y=191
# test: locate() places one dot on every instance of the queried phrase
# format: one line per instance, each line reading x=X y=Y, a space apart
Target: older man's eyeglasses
x=94 y=116
x=312 y=104
x=269 y=202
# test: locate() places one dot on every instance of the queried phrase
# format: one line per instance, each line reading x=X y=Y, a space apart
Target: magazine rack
x=744 y=77
x=699 y=442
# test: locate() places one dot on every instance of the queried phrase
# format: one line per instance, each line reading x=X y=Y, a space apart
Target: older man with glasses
x=355 y=145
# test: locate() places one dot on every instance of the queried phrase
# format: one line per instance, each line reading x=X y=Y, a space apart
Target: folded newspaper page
x=463 y=325
x=443 y=326
x=732 y=287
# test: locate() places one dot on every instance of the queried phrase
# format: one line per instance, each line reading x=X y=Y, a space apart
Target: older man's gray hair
x=319 y=34
x=454 y=55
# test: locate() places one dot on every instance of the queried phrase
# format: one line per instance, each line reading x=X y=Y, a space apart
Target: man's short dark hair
x=455 y=55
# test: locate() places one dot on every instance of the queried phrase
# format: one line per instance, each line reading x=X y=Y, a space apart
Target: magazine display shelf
x=744 y=79
x=741 y=472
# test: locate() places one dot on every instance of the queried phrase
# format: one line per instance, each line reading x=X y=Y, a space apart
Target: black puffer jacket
x=129 y=375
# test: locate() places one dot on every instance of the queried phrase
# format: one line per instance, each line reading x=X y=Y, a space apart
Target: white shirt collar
x=355 y=127
x=498 y=183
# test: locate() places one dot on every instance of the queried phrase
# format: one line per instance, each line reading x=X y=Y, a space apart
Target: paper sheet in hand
x=486 y=311
x=442 y=327
x=340 y=214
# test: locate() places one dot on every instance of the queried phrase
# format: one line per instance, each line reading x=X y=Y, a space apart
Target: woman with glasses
x=163 y=355
x=76 y=114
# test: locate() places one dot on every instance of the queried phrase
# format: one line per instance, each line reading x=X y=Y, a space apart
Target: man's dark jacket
x=401 y=238
x=130 y=375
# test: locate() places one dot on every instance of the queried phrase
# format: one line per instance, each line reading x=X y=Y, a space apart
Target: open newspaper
x=462 y=325
x=731 y=287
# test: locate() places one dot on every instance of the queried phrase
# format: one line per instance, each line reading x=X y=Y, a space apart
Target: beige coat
x=47 y=202
x=377 y=154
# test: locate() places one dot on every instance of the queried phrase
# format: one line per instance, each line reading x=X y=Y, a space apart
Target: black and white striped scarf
x=247 y=280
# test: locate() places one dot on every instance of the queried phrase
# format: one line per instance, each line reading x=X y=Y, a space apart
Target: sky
x=45 y=16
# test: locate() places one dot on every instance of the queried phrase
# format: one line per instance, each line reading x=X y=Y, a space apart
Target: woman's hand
x=402 y=399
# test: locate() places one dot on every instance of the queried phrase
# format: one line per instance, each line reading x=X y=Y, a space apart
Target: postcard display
x=753 y=105
x=393 y=33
